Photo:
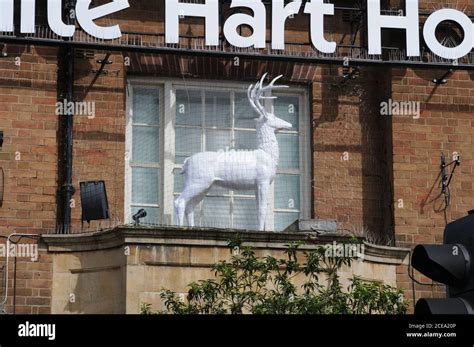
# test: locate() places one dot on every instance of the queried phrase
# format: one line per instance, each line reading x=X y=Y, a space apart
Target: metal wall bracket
x=103 y=63
x=443 y=79
x=349 y=74
x=99 y=71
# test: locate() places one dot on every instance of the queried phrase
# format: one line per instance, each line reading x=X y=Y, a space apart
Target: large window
x=170 y=121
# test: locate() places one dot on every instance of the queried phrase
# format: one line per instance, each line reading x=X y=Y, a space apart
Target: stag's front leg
x=262 y=203
x=180 y=207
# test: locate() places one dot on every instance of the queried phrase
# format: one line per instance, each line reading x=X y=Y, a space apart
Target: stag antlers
x=256 y=93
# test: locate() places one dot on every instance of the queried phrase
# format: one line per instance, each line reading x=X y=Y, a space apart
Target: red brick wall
x=446 y=125
x=28 y=159
x=33 y=286
x=352 y=152
x=99 y=143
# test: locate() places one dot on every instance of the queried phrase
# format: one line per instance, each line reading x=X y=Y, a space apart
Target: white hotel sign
x=175 y=10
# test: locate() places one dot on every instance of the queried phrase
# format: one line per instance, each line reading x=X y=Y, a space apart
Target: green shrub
x=247 y=284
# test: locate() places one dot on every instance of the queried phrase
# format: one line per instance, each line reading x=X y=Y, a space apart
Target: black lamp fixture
x=94 y=201
x=139 y=215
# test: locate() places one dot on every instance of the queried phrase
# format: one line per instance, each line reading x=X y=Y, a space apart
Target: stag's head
x=258 y=93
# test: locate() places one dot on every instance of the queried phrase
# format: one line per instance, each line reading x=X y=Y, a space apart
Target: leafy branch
x=248 y=284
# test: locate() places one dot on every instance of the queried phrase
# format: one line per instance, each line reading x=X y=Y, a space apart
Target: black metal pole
x=67 y=123
x=67 y=189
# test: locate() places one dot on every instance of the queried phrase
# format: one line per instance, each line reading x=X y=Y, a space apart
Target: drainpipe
x=66 y=123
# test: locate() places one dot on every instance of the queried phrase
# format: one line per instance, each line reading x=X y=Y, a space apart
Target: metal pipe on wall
x=67 y=127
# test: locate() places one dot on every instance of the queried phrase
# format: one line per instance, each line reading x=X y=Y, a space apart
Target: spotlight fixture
x=139 y=215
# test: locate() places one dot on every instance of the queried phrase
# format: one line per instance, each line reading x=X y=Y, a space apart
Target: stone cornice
x=202 y=237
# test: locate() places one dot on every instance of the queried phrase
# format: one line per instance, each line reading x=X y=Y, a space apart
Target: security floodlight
x=139 y=215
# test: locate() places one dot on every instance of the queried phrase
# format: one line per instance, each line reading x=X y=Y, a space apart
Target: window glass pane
x=249 y=193
x=287 y=192
x=178 y=181
x=188 y=107
x=146 y=106
x=245 y=214
x=152 y=215
x=244 y=113
x=246 y=140
x=283 y=220
x=188 y=142
x=216 y=212
x=218 y=111
x=146 y=145
x=216 y=190
x=145 y=186
x=218 y=140
x=287 y=108
x=289 y=151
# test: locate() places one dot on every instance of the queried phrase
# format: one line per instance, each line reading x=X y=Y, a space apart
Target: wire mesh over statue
x=235 y=153
x=238 y=170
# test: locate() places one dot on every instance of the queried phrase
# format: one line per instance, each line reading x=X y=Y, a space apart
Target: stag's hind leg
x=190 y=210
x=193 y=194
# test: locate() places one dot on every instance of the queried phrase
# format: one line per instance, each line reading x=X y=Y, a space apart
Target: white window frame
x=167 y=164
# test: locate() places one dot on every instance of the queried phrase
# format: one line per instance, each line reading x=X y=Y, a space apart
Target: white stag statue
x=237 y=170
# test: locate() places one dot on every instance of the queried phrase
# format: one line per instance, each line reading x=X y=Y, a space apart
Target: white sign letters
x=84 y=14
x=317 y=10
x=410 y=23
x=209 y=11
x=252 y=14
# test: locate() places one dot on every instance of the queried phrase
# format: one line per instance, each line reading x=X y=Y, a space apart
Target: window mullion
x=270 y=222
x=128 y=157
x=232 y=139
x=203 y=121
x=203 y=143
x=168 y=152
x=305 y=160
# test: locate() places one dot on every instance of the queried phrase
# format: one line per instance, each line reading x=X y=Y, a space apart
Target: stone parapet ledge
x=211 y=237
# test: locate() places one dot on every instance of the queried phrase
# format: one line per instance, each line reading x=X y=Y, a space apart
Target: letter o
x=429 y=33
